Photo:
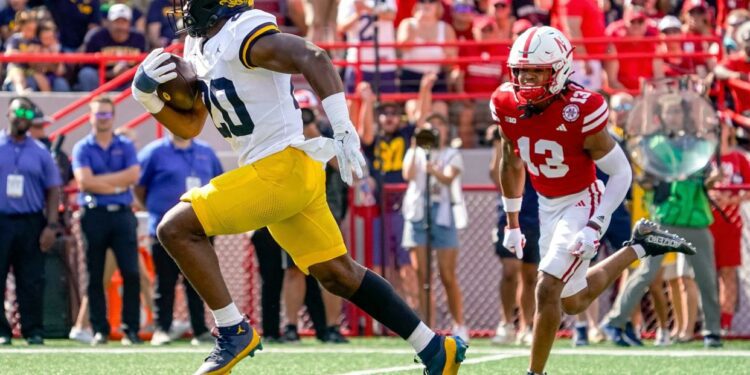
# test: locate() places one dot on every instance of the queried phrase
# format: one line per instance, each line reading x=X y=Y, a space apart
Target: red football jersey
x=551 y=143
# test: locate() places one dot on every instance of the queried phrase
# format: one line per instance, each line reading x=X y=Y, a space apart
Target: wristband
x=150 y=101
x=337 y=112
x=512 y=204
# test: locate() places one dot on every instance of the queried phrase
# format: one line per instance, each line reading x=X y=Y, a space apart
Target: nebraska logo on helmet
x=541 y=47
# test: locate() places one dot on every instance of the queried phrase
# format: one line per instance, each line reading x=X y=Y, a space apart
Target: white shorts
x=560 y=219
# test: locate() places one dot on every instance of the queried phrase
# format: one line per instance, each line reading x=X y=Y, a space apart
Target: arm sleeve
x=615 y=164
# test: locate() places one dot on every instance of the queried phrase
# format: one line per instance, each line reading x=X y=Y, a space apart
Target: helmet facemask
x=197 y=17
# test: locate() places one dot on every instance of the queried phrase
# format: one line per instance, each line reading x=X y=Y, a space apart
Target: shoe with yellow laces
x=233 y=343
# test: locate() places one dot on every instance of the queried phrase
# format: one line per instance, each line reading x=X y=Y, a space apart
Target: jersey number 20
x=222 y=94
x=554 y=166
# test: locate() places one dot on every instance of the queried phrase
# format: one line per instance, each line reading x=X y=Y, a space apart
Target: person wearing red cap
x=626 y=73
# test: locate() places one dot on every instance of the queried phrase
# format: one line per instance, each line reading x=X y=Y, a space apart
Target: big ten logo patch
x=391 y=154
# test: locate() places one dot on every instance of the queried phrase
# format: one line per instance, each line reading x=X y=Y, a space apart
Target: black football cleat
x=658 y=241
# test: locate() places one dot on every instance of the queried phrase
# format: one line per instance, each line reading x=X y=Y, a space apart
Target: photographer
x=443 y=164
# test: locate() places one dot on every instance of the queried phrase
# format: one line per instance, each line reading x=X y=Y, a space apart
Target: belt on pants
x=108 y=208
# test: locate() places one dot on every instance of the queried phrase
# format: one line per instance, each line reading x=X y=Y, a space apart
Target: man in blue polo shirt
x=105 y=165
x=170 y=167
x=29 y=193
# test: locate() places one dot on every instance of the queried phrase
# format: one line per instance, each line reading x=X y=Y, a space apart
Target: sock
x=421 y=338
x=376 y=297
x=639 y=251
x=227 y=316
x=726 y=320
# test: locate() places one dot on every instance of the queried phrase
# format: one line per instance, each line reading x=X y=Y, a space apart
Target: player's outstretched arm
x=286 y=53
x=291 y=54
x=151 y=73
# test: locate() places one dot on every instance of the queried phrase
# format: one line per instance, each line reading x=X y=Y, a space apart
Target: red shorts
x=727 y=241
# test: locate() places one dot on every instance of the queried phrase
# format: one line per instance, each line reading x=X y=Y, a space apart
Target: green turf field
x=370 y=356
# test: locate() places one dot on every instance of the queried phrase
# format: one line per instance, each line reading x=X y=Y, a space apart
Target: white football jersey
x=253 y=108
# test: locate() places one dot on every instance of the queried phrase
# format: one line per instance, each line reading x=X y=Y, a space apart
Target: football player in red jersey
x=557 y=129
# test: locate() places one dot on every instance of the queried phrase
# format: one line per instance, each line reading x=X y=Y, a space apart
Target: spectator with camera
x=385 y=138
x=29 y=187
x=518 y=279
x=434 y=210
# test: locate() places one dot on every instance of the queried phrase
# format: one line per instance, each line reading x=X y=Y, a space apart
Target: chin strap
x=529 y=110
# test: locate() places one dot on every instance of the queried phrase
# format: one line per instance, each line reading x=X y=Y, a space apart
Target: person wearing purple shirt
x=118 y=39
x=29 y=193
x=170 y=167
x=105 y=165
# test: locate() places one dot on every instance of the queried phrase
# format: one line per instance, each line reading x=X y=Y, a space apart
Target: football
x=180 y=93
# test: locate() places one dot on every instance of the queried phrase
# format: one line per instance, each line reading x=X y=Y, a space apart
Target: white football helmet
x=541 y=47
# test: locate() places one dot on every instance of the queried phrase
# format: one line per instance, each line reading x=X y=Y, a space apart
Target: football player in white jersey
x=244 y=64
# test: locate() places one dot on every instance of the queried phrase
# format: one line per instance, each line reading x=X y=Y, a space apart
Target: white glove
x=514 y=241
x=348 y=154
x=149 y=76
x=585 y=244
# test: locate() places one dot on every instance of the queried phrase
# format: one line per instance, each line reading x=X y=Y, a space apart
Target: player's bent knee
x=548 y=289
x=340 y=276
x=573 y=306
x=179 y=223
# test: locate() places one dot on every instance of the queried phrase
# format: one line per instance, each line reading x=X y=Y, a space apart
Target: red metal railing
x=102 y=60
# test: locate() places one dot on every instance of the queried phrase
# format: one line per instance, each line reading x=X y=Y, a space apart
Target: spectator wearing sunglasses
x=627 y=73
x=105 y=166
x=29 y=182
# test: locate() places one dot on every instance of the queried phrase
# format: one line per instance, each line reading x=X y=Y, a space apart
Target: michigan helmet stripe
x=252 y=37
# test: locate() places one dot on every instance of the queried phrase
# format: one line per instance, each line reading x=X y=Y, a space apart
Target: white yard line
x=364 y=350
x=489 y=358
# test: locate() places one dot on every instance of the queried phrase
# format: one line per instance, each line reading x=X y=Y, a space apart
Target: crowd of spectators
x=131 y=27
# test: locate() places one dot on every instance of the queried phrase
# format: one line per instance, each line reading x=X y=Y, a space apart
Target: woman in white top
x=448 y=213
x=425 y=26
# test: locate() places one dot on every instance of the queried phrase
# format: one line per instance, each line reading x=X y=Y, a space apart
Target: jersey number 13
x=554 y=165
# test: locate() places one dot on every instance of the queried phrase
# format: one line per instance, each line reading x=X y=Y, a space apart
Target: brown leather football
x=181 y=92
